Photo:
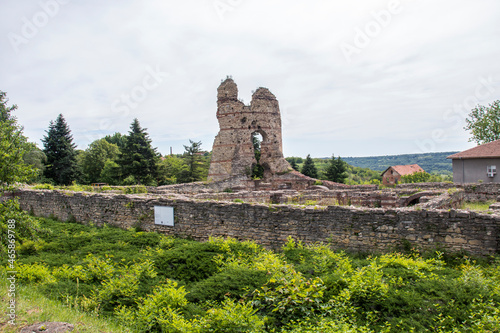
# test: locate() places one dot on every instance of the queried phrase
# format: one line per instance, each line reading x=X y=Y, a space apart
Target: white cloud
x=391 y=97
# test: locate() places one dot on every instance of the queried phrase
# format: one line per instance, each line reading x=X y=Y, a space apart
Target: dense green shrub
x=232 y=317
x=158 y=312
x=236 y=283
x=17 y=227
x=291 y=297
x=154 y=283
x=189 y=262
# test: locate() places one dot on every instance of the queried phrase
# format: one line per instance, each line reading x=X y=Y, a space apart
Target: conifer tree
x=139 y=159
x=194 y=162
x=13 y=146
x=62 y=166
x=293 y=164
x=336 y=170
x=309 y=169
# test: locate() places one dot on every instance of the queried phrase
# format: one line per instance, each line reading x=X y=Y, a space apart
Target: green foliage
x=236 y=283
x=34 y=273
x=293 y=163
x=44 y=187
x=476 y=205
x=25 y=228
x=309 y=169
x=416 y=177
x=154 y=283
x=138 y=159
x=291 y=297
x=117 y=139
x=257 y=168
x=111 y=173
x=336 y=170
x=94 y=160
x=37 y=159
x=322 y=325
x=191 y=262
x=61 y=167
x=196 y=164
x=135 y=189
x=159 y=312
x=13 y=148
x=169 y=169
x=484 y=123
x=232 y=317
x=434 y=163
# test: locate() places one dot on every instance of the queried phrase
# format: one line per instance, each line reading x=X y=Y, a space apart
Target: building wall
x=474 y=170
x=391 y=177
x=349 y=228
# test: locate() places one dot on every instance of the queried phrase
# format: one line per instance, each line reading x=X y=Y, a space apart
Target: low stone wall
x=349 y=228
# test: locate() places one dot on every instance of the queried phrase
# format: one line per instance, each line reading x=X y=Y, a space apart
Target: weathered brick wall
x=358 y=229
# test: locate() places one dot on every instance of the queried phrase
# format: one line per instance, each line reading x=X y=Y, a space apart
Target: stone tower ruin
x=233 y=150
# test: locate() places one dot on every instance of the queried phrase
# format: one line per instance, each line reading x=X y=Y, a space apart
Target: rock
x=48 y=327
x=318 y=187
x=495 y=206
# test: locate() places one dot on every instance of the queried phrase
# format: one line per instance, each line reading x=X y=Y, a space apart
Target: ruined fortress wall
x=357 y=229
x=233 y=151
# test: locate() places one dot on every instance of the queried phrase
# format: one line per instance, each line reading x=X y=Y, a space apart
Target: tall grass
x=34 y=307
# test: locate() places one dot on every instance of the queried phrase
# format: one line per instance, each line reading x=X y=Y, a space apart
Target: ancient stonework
x=233 y=152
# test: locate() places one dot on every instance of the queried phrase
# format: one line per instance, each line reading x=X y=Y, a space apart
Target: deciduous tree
x=95 y=157
x=13 y=146
x=484 y=123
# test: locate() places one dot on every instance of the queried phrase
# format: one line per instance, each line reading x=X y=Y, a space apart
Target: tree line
x=131 y=159
x=117 y=159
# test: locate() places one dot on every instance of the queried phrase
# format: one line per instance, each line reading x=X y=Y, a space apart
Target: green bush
x=34 y=273
x=189 y=262
x=19 y=227
x=159 y=311
x=232 y=317
x=44 y=187
x=291 y=297
x=234 y=283
x=304 y=288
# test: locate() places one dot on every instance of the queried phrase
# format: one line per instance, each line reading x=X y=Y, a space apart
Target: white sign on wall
x=164 y=215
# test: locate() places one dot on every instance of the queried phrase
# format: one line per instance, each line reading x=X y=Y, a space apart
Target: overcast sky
x=353 y=78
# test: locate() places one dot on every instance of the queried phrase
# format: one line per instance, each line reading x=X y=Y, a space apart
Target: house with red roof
x=477 y=164
x=392 y=175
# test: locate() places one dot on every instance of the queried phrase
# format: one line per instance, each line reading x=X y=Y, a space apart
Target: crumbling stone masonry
x=233 y=152
x=351 y=228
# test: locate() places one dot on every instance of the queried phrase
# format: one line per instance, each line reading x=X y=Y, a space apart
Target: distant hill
x=430 y=162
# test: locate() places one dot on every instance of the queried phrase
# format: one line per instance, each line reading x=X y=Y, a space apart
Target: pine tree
x=139 y=159
x=61 y=153
x=194 y=162
x=336 y=170
x=309 y=169
x=13 y=146
x=293 y=164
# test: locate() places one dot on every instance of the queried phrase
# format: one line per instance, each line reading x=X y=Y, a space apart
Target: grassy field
x=112 y=280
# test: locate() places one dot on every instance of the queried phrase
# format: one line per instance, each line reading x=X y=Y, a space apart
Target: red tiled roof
x=487 y=150
x=404 y=170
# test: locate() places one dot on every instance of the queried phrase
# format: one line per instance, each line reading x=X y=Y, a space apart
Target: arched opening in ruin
x=257 y=168
x=413 y=202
